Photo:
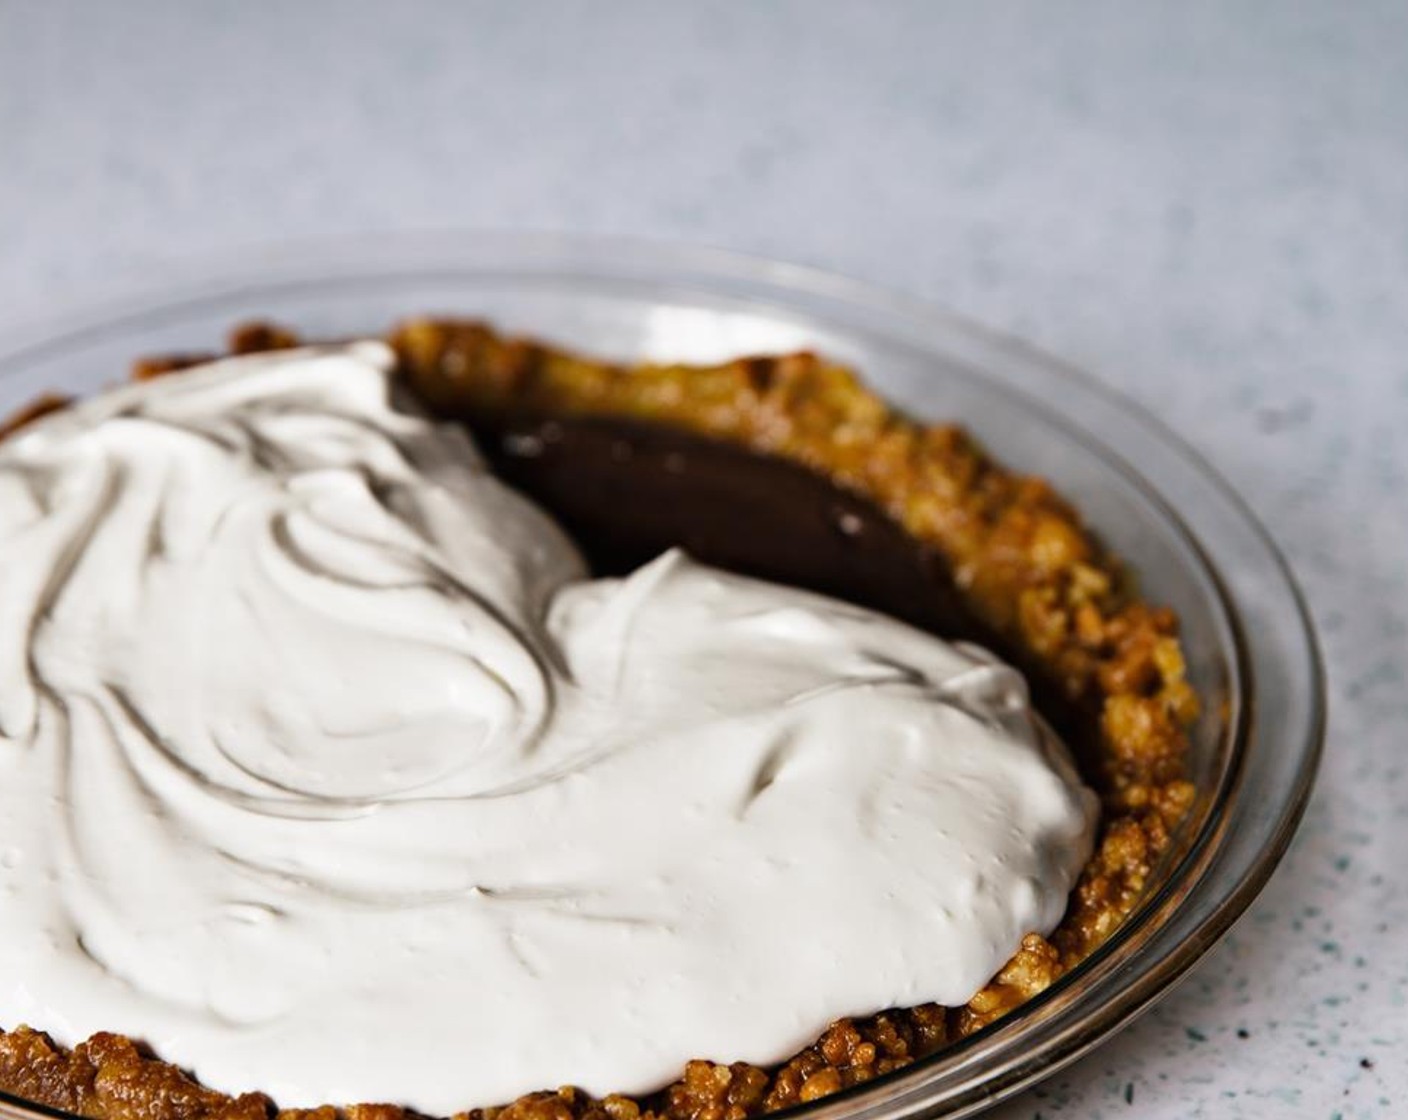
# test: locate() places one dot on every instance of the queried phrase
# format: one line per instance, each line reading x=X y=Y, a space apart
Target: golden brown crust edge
x=1024 y=563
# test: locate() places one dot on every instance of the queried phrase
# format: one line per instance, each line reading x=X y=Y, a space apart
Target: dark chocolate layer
x=627 y=491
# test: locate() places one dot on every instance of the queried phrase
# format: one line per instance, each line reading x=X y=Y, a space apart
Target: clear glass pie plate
x=1191 y=542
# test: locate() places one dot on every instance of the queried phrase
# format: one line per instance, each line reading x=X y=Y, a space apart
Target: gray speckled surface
x=1205 y=204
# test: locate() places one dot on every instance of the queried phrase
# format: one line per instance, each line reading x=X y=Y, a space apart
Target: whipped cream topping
x=326 y=770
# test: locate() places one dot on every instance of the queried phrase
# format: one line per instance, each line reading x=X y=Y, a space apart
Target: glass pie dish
x=1191 y=544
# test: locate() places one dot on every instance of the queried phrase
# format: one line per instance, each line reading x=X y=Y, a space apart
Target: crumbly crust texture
x=1023 y=563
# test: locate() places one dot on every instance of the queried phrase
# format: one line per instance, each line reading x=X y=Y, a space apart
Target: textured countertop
x=1204 y=204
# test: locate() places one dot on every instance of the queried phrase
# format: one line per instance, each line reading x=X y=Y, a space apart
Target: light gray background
x=1205 y=204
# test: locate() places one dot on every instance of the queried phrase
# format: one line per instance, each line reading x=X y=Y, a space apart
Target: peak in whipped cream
x=326 y=769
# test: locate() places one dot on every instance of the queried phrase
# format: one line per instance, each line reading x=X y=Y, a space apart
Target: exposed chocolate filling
x=627 y=491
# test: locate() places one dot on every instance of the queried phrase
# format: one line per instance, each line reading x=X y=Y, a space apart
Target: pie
x=864 y=504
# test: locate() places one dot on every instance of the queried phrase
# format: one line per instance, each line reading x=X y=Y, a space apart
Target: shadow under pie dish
x=978 y=551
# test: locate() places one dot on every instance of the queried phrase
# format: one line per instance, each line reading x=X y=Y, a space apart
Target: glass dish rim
x=591 y=259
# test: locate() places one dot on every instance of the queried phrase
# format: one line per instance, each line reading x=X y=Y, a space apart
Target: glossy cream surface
x=326 y=770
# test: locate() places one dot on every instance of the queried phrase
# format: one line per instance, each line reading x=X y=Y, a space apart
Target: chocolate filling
x=627 y=491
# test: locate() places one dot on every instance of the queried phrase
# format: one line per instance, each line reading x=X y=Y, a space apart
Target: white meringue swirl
x=326 y=770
